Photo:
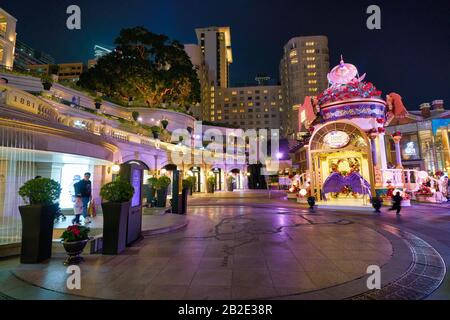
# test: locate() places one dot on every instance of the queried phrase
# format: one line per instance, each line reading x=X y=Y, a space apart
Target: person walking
x=78 y=209
x=397 y=203
x=83 y=189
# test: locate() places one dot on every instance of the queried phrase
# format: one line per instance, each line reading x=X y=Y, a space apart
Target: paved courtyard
x=252 y=247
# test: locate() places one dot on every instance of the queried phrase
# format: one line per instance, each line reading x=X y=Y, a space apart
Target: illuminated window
x=265 y=91
x=294 y=61
x=310 y=50
x=227 y=99
x=266 y=110
x=312 y=89
x=273 y=103
x=293 y=53
x=249 y=92
x=311 y=66
x=310 y=58
x=242 y=110
x=312 y=81
x=234 y=93
x=309 y=44
x=250 y=104
x=312 y=74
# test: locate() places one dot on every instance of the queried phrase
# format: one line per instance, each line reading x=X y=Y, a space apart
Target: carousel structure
x=346 y=150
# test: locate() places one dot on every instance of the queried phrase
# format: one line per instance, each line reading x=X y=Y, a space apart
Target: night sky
x=410 y=55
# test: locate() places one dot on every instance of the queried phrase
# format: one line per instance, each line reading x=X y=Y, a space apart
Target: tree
x=146 y=66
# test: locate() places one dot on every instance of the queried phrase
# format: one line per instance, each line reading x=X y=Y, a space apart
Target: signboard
x=410 y=147
x=336 y=139
x=136 y=182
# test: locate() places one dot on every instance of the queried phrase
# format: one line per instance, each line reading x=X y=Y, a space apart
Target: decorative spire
x=342 y=64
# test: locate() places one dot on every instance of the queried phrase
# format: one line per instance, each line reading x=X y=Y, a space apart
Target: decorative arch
x=358 y=141
x=140 y=162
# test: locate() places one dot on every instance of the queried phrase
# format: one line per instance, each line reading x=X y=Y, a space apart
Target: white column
x=382 y=151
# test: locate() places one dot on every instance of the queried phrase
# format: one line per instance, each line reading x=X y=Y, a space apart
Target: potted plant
x=151 y=194
x=230 y=183
x=156 y=131
x=377 y=202
x=98 y=103
x=164 y=123
x=38 y=216
x=135 y=115
x=74 y=239
x=161 y=191
x=193 y=182
x=115 y=214
x=47 y=81
x=210 y=184
x=311 y=202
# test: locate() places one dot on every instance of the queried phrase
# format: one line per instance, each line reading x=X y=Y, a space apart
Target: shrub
x=162 y=183
x=135 y=115
x=152 y=182
x=188 y=183
x=156 y=129
x=98 y=100
x=75 y=233
x=164 y=123
x=45 y=78
x=43 y=191
x=117 y=191
x=211 y=181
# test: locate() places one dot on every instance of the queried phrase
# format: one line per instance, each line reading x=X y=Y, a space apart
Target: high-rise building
x=215 y=44
x=7 y=39
x=303 y=72
x=194 y=53
x=255 y=107
x=25 y=55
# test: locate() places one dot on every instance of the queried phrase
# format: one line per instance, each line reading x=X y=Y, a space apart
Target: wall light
x=115 y=169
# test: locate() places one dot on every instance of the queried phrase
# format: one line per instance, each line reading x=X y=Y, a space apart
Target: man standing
x=83 y=189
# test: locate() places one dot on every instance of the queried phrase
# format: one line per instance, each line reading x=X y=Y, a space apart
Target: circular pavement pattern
x=255 y=252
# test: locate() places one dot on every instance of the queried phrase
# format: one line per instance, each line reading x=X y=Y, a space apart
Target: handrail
x=27 y=102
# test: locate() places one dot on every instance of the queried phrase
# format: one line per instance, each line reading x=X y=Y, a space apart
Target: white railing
x=408 y=179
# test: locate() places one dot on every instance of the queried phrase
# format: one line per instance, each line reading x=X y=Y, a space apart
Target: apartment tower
x=303 y=72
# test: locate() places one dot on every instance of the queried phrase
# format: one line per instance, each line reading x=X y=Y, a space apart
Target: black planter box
x=161 y=198
x=47 y=86
x=115 y=219
x=37 y=232
x=150 y=193
x=184 y=198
